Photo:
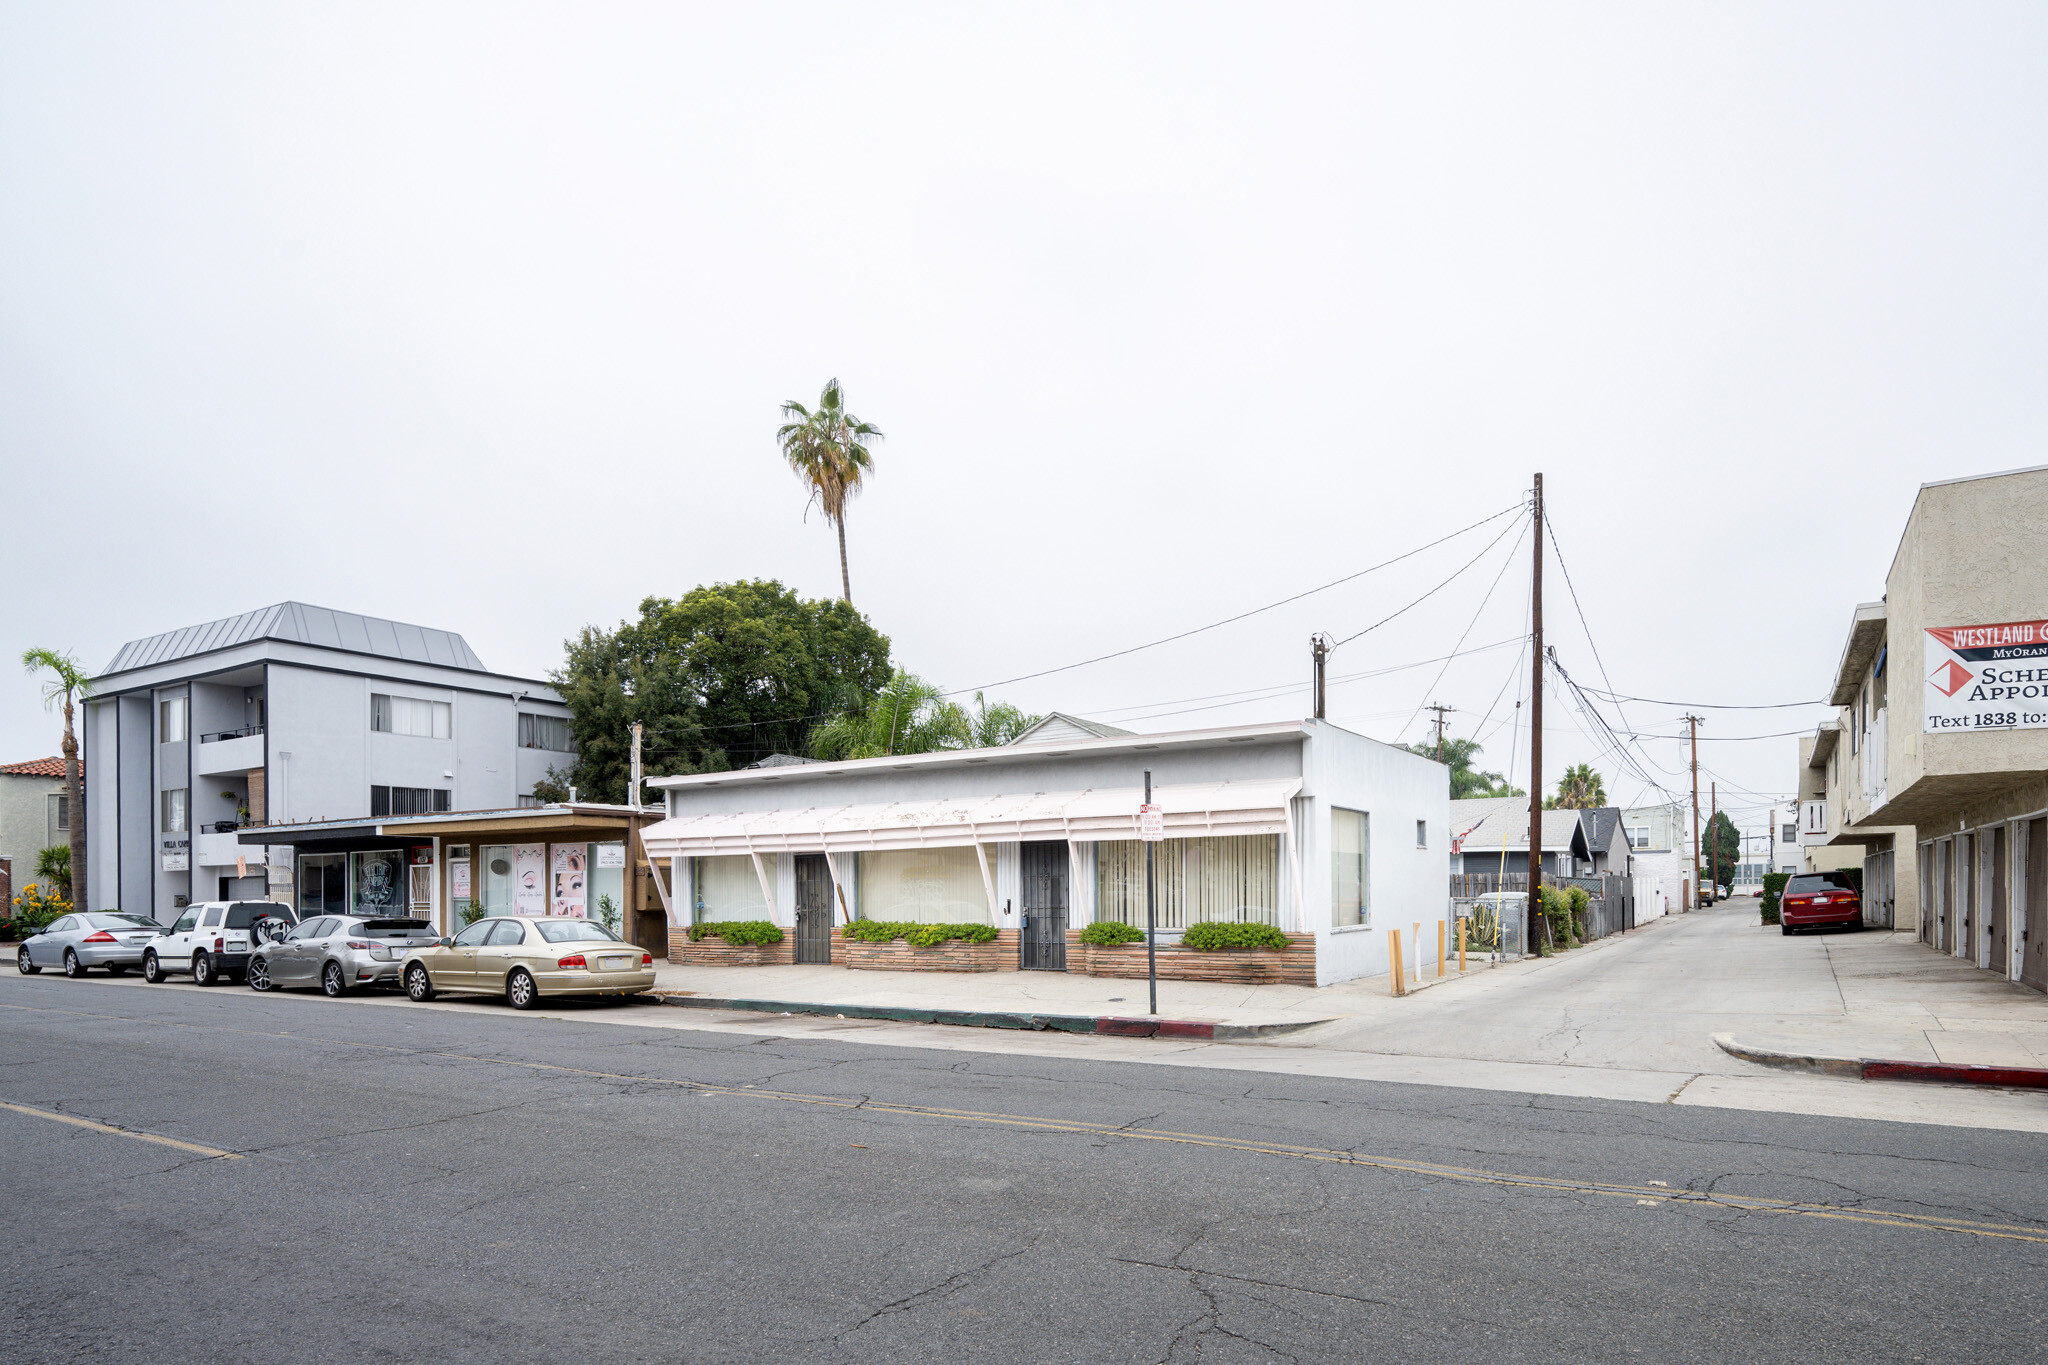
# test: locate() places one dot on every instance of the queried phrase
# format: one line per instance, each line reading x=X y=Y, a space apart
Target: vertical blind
x=1349 y=846
x=923 y=886
x=1232 y=878
x=726 y=888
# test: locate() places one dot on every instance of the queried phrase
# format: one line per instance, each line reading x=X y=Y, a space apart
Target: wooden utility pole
x=1535 y=725
x=1441 y=711
x=634 y=799
x=1714 y=853
x=1694 y=722
x=1319 y=645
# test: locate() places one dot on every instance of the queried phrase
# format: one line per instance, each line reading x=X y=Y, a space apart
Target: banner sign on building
x=567 y=897
x=529 y=879
x=1987 y=677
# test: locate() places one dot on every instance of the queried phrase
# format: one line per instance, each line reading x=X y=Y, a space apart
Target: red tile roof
x=35 y=767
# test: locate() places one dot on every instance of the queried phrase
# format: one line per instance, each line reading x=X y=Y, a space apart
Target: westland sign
x=1987 y=677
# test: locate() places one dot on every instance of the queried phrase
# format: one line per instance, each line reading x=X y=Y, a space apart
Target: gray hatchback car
x=88 y=939
x=338 y=953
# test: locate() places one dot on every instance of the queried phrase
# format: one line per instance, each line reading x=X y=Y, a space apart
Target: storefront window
x=380 y=883
x=923 y=886
x=726 y=888
x=608 y=886
x=1232 y=878
x=323 y=884
x=492 y=880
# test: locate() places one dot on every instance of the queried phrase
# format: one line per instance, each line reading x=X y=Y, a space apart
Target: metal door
x=1042 y=940
x=813 y=908
x=2034 y=940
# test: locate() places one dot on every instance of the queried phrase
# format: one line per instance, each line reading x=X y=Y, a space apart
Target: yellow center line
x=121 y=1132
x=1658 y=1194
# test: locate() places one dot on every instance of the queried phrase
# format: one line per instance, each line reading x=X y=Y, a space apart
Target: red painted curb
x=1952 y=1073
x=1183 y=1028
x=1127 y=1028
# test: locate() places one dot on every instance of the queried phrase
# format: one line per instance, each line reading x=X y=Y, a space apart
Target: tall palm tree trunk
x=845 y=583
x=74 y=811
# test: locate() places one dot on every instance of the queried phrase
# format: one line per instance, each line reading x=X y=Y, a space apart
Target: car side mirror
x=446 y=942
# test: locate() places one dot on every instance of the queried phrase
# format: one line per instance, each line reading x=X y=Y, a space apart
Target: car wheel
x=73 y=968
x=332 y=981
x=520 y=992
x=203 y=973
x=418 y=985
x=25 y=964
x=152 y=970
x=259 y=974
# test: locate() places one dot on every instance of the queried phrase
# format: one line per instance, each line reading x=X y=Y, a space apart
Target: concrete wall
x=100 y=728
x=25 y=823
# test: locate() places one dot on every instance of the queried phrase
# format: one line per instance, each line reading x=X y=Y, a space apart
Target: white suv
x=213 y=939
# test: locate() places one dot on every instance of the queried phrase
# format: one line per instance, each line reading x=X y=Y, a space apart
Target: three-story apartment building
x=288 y=714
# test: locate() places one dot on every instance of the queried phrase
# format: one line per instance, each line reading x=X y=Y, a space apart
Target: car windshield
x=120 y=922
x=1807 y=883
x=242 y=914
x=575 y=931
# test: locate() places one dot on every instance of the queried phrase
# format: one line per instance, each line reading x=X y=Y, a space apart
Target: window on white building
x=545 y=732
x=726 y=888
x=1639 y=837
x=170 y=722
x=1789 y=834
x=923 y=886
x=174 y=810
x=1422 y=834
x=411 y=716
x=1232 y=878
x=1350 y=854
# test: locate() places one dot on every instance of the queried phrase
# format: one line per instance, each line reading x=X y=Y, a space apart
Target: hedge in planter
x=916 y=935
x=1212 y=935
x=1109 y=933
x=1774 y=893
x=739 y=933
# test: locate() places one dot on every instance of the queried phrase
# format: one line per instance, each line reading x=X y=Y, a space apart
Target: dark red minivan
x=1817 y=900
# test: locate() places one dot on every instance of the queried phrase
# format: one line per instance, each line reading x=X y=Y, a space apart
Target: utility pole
x=634 y=799
x=1441 y=711
x=1714 y=853
x=1694 y=722
x=1535 y=725
x=1319 y=645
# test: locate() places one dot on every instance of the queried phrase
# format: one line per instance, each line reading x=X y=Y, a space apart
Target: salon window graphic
x=571 y=875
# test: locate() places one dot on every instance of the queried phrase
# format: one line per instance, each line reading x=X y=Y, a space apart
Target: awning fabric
x=1192 y=811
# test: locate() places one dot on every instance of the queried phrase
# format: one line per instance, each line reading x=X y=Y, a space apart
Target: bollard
x=1441 y=929
x=1461 y=943
x=1394 y=961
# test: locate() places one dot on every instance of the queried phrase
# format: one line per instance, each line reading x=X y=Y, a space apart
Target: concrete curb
x=1113 y=1026
x=1877 y=1069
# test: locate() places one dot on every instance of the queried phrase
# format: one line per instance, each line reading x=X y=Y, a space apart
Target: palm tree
x=68 y=681
x=912 y=716
x=1580 y=789
x=828 y=449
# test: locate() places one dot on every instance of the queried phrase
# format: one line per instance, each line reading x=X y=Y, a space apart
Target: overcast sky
x=479 y=317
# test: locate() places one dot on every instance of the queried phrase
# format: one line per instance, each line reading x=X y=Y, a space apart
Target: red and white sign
x=1152 y=824
x=1986 y=677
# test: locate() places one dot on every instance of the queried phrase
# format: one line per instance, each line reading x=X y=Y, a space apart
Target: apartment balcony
x=212 y=848
x=229 y=751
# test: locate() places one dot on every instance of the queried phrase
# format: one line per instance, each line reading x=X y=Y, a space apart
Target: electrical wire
x=1491 y=589
x=1231 y=620
x=1433 y=591
x=1705 y=705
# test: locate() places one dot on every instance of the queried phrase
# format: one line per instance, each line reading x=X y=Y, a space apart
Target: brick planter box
x=898 y=956
x=716 y=952
x=1294 y=965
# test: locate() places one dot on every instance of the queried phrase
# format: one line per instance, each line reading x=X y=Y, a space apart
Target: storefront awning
x=1192 y=811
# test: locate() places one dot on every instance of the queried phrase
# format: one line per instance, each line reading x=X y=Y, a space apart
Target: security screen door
x=1042 y=943
x=813 y=908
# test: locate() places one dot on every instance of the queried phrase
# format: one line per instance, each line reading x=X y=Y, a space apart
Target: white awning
x=1192 y=811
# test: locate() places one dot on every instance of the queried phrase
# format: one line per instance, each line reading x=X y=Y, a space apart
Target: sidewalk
x=1243 y=1011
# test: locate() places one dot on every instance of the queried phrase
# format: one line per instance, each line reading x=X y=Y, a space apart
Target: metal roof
x=299 y=623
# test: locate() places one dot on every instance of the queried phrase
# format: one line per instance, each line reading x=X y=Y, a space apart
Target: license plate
x=616 y=964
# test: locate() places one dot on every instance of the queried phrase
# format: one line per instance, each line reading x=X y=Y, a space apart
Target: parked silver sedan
x=76 y=942
x=338 y=953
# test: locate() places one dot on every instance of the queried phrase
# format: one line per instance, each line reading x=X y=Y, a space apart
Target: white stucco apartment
x=1309 y=828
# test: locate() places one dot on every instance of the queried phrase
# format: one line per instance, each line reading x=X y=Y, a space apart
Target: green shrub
x=1557 y=913
x=1774 y=891
x=739 y=933
x=916 y=935
x=1211 y=935
x=1108 y=933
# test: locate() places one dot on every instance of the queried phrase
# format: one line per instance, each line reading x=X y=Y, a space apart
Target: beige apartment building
x=1935 y=770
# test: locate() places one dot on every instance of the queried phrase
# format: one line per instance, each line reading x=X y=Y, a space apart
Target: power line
x=1433 y=591
x=1491 y=589
x=1230 y=620
x=1704 y=705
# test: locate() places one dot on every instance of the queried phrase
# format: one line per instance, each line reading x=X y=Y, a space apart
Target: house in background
x=288 y=714
x=1497 y=841
x=33 y=816
x=1607 y=840
x=1660 y=845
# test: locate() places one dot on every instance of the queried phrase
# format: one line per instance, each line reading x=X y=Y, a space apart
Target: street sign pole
x=1146 y=818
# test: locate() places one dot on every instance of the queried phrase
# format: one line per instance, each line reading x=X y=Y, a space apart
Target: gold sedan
x=524 y=959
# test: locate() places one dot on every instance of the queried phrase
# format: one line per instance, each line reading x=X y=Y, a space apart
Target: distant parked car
x=77 y=942
x=338 y=953
x=1816 y=900
x=525 y=959
x=213 y=939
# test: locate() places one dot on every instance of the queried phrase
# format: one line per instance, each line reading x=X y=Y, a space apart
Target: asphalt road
x=426 y=1184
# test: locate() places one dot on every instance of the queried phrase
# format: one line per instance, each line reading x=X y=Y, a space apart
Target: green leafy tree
x=1579 y=789
x=67 y=683
x=827 y=446
x=1460 y=756
x=1720 y=849
x=718 y=678
x=912 y=716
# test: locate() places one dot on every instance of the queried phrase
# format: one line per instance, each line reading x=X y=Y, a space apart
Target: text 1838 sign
x=1987 y=677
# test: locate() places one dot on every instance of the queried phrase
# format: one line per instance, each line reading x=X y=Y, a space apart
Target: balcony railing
x=243 y=733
